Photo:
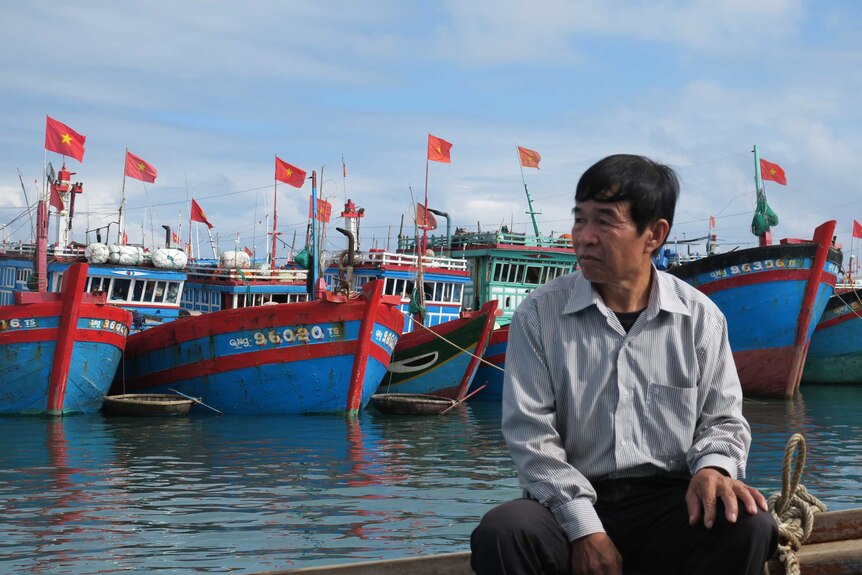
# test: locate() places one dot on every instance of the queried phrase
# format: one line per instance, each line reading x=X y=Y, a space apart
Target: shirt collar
x=662 y=296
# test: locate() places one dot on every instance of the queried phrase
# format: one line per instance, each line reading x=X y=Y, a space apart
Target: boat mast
x=313 y=269
x=766 y=237
x=530 y=209
x=274 y=219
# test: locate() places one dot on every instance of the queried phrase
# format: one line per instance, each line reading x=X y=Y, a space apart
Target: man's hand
x=596 y=554
x=708 y=486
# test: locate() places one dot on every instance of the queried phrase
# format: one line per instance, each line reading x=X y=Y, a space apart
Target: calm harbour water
x=210 y=494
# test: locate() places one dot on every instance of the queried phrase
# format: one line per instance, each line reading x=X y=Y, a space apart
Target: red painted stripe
x=373 y=291
x=74 y=280
x=755 y=278
x=28 y=335
x=225 y=364
x=496 y=359
x=823 y=237
x=488 y=311
x=836 y=321
x=240 y=319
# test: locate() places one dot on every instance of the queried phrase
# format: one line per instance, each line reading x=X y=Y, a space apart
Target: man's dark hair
x=650 y=188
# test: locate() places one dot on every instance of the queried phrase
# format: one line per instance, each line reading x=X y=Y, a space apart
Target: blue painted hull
x=835 y=353
x=491 y=376
x=309 y=357
x=772 y=297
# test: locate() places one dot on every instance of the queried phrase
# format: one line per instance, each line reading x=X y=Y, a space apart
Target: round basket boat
x=411 y=403
x=146 y=404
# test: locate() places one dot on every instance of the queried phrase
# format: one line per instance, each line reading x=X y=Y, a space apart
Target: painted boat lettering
x=16 y=323
x=386 y=338
x=288 y=335
x=758 y=266
x=109 y=325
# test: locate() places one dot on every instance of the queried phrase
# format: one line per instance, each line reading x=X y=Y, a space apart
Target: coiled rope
x=793 y=507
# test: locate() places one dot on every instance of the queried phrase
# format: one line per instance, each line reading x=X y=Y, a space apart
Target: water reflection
x=247 y=494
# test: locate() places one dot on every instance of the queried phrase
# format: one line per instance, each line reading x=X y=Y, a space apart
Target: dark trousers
x=647 y=520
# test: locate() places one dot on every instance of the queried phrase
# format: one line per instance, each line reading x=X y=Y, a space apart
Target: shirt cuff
x=717 y=460
x=578 y=518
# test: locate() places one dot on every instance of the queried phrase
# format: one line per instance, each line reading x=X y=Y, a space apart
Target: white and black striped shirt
x=584 y=400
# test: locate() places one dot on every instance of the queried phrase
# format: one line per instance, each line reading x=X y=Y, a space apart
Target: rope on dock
x=793 y=507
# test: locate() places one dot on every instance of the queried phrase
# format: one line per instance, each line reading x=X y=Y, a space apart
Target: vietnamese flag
x=424 y=218
x=288 y=174
x=438 y=150
x=857 y=229
x=139 y=169
x=529 y=158
x=324 y=210
x=55 y=199
x=774 y=172
x=198 y=215
x=64 y=140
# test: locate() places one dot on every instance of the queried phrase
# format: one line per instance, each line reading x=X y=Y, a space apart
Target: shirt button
x=623 y=443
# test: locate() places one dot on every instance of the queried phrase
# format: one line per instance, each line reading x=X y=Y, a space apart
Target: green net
x=764 y=217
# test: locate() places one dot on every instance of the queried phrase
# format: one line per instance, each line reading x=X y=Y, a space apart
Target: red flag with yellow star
x=439 y=149
x=139 y=169
x=288 y=174
x=773 y=172
x=64 y=140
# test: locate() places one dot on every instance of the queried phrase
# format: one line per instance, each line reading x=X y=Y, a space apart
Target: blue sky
x=210 y=92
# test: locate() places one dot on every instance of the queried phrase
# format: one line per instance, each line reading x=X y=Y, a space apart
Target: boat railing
x=405 y=259
x=490 y=239
x=249 y=274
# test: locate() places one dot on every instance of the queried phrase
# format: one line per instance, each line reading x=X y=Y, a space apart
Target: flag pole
x=314 y=257
x=425 y=226
x=274 y=217
x=529 y=200
x=121 y=221
x=766 y=238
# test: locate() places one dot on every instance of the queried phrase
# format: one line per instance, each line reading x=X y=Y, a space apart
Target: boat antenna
x=530 y=209
x=27 y=202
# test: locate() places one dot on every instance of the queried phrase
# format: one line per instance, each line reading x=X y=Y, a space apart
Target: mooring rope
x=452 y=343
x=793 y=507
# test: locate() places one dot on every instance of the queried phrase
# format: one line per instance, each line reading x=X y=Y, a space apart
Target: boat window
x=508 y=303
x=408 y=288
x=534 y=275
x=120 y=289
x=173 y=290
x=456 y=293
x=500 y=271
x=159 y=293
x=138 y=290
x=148 y=291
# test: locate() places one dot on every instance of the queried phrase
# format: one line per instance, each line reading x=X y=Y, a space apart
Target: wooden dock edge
x=834 y=548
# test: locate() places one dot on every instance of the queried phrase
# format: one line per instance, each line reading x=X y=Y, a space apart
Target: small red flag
x=774 y=172
x=288 y=174
x=529 y=158
x=139 y=169
x=176 y=238
x=857 y=229
x=125 y=238
x=198 y=215
x=248 y=251
x=438 y=150
x=324 y=210
x=711 y=222
x=55 y=199
x=424 y=218
x=64 y=140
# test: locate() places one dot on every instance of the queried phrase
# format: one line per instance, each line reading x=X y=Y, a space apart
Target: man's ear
x=657 y=234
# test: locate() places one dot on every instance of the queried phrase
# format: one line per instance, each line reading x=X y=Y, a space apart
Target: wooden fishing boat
x=59 y=351
x=441 y=360
x=321 y=356
x=411 y=403
x=147 y=404
x=835 y=352
x=834 y=548
x=771 y=296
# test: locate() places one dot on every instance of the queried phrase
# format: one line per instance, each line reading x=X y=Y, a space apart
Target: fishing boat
x=440 y=350
x=59 y=351
x=441 y=360
x=148 y=283
x=772 y=296
x=835 y=352
x=322 y=356
x=505 y=267
x=147 y=404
